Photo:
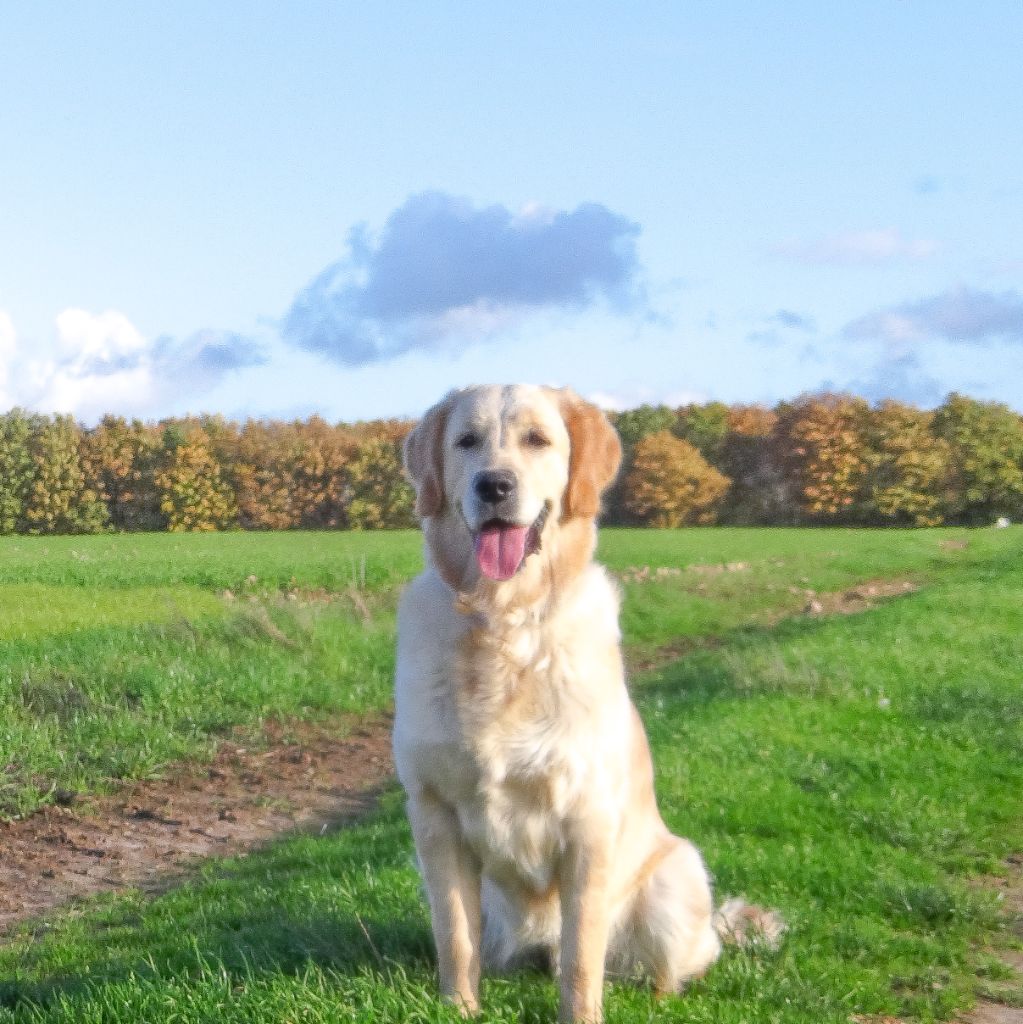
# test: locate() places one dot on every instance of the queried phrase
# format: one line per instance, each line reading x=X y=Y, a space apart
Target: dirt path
x=1010 y=889
x=315 y=777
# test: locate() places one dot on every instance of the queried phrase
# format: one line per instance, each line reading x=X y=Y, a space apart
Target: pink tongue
x=500 y=550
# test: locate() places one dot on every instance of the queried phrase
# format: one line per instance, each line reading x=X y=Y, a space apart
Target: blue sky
x=279 y=209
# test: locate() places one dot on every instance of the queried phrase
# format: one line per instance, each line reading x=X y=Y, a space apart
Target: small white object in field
x=1002 y=522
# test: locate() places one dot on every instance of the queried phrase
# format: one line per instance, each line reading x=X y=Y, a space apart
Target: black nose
x=494 y=485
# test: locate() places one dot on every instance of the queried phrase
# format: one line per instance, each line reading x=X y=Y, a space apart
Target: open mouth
x=501 y=547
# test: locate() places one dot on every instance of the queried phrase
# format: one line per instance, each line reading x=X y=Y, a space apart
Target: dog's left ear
x=424 y=458
x=596 y=453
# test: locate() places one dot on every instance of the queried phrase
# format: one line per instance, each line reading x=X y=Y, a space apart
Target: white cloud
x=8 y=350
x=958 y=315
x=101 y=363
x=7 y=337
x=881 y=245
x=622 y=400
x=104 y=336
x=88 y=396
x=444 y=274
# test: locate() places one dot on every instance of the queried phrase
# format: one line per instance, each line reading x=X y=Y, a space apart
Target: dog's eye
x=467 y=440
x=536 y=439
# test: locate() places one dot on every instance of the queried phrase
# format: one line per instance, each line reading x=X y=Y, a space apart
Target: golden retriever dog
x=528 y=774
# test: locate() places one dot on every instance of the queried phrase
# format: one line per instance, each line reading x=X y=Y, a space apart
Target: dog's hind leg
x=669 y=930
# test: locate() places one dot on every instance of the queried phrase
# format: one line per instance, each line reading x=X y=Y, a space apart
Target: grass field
x=855 y=771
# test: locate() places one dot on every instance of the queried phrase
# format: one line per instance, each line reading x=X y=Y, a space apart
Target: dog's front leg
x=452 y=878
x=584 y=881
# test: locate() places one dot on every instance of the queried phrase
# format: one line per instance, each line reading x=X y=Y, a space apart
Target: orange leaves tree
x=632 y=426
x=193 y=494
x=671 y=484
x=321 y=454
x=821 y=458
x=264 y=476
x=120 y=461
x=822 y=447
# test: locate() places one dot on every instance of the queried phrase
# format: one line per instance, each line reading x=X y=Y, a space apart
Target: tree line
x=818 y=459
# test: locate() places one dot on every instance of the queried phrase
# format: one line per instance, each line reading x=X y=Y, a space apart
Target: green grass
x=211 y=560
x=852 y=771
x=119 y=654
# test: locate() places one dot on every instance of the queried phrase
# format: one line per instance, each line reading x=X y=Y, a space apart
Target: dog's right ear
x=424 y=458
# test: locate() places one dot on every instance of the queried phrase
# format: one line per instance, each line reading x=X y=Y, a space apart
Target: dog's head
x=500 y=472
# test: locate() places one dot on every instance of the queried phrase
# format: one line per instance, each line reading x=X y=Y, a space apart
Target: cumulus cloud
x=883 y=245
x=100 y=362
x=99 y=338
x=443 y=273
x=959 y=315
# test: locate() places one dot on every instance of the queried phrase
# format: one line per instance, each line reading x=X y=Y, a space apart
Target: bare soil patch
x=645 y=573
x=854 y=599
x=302 y=778
x=990 y=1010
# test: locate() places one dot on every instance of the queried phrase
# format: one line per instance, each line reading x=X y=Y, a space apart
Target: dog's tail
x=746 y=924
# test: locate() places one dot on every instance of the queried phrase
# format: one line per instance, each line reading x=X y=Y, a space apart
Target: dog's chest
x=531 y=737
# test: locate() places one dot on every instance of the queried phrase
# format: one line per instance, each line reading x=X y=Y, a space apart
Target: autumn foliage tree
x=16 y=468
x=632 y=426
x=58 y=499
x=321 y=454
x=985 y=442
x=120 y=461
x=193 y=494
x=379 y=496
x=820 y=458
x=264 y=476
x=908 y=466
x=671 y=484
x=822 y=446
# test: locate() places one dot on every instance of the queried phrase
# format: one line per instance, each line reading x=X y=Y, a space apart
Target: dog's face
x=501 y=469
x=505 y=470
